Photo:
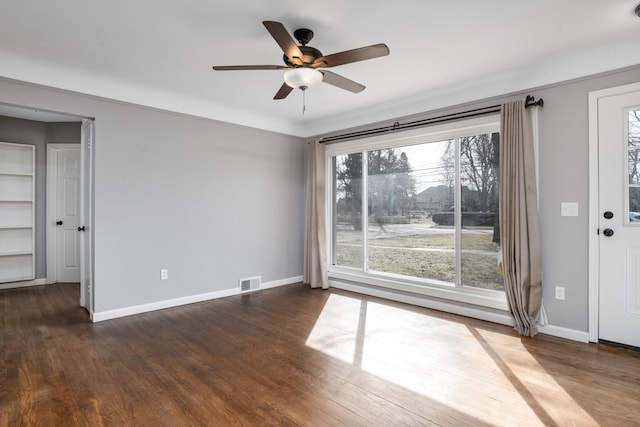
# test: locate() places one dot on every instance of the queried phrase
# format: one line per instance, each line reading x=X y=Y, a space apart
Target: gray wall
x=209 y=201
x=63 y=133
x=39 y=134
x=564 y=177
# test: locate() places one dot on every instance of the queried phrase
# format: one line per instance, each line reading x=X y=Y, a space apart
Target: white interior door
x=67 y=215
x=619 y=217
x=85 y=227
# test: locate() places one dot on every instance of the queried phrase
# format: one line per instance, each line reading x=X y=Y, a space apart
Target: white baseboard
x=559 y=331
x=159 y=305
x=282 y=282
x=23 y=284
x=503 y=319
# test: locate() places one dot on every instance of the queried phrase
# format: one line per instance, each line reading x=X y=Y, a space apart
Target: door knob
x=607 y=232
x=58 y=222
x=82 y=229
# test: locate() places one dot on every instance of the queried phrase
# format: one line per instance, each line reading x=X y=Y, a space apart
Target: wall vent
x=250 y=284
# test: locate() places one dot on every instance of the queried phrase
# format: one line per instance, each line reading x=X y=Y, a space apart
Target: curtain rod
x=530 y=101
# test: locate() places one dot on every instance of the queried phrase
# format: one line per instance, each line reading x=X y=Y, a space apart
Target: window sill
x=480 y=297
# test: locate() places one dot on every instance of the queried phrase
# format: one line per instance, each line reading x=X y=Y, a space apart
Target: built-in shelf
x=16 y=279
x=17 y=253
x=9 y=173
x=17 y=211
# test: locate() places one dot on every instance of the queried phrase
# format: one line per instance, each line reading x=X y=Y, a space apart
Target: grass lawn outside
x=428 y=256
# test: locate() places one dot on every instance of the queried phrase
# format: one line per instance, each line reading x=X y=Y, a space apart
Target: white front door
x=67 y=215
x=618 y=133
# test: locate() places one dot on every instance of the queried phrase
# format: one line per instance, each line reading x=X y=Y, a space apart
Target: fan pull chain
x=304 y=99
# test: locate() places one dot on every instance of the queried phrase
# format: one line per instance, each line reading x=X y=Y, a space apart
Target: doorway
x=614 y=215
x=63 y=213
x=39 y=127
x=70 y=214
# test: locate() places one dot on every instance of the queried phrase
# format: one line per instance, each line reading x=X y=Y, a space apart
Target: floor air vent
x=250 y=284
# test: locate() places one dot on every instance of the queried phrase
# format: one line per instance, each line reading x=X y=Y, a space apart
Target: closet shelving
x=17 y=212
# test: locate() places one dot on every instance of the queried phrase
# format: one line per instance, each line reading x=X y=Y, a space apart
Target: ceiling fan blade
x=341 y=82
x=353 y=55
x=249 y=67
x=283 y=92
x=283 y=38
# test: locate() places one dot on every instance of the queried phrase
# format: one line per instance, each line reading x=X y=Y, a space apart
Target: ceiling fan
x=305 y=64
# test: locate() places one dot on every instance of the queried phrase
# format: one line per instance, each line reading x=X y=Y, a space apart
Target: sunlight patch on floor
x=336 y=330
x=484 y=374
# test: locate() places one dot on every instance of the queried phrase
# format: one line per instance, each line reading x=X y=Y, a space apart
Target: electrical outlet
x=164 y=274
x=560 y=293
x=569 y=209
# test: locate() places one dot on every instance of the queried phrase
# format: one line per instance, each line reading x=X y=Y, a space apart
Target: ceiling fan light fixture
x=302 y=78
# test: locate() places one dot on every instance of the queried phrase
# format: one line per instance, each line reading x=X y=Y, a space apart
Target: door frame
x=594 y=203
x=52 y=191
x=87 y=150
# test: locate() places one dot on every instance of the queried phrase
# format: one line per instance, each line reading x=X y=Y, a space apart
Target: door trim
x=87 y=282
x=52 y=190
x=594 y=203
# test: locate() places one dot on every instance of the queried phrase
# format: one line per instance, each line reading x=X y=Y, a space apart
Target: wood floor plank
x=296 y=356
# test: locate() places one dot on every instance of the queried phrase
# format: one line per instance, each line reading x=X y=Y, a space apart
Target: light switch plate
x=569 y=209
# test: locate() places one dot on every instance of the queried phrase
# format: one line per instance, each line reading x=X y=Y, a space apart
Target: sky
x=426 y=162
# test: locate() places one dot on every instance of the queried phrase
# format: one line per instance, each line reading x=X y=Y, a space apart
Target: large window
x=419 y=210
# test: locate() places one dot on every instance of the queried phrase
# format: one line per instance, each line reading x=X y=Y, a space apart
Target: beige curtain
x=315 y=233
x=519 y=225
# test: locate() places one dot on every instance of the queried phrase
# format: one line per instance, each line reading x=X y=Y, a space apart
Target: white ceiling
x=159 y=53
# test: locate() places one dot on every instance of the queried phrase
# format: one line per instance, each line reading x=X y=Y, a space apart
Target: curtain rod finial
x=530 y=101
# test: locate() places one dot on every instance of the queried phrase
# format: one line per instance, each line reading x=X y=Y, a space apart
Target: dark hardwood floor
x=296 y=356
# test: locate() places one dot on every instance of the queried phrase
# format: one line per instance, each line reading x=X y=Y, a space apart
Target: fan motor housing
x=310 y=54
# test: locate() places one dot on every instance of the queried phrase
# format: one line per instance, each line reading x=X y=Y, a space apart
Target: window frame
x=627 y=185
x=451 y=130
